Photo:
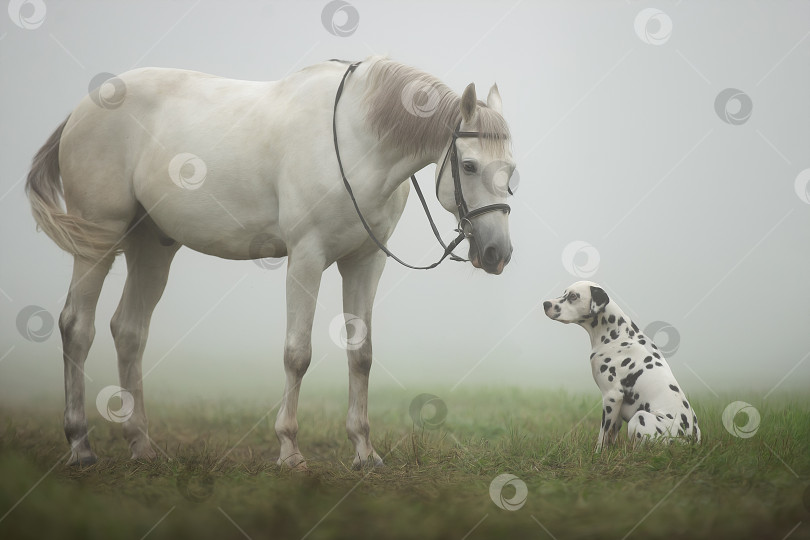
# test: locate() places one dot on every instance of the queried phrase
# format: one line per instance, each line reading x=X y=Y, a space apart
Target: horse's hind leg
x=77 y=325
x=148 y=262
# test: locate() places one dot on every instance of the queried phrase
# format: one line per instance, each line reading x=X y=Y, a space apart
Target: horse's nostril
x=546 y=305
x=491 y=255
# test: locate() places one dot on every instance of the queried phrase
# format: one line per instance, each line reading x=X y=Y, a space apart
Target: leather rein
x=464 y=213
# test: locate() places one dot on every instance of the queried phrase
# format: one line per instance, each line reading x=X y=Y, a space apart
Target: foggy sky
x=697 y=220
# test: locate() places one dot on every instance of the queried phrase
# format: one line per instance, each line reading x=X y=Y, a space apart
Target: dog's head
x=578 y=302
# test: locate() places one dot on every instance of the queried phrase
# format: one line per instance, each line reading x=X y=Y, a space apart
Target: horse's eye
x=469 y=167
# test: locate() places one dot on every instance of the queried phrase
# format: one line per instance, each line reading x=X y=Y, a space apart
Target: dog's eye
x=469 y=167
x=572 y=296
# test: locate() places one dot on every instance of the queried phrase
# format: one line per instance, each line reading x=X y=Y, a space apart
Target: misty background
x=691 y=210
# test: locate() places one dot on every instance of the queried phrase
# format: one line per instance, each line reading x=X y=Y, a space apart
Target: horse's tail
x=72 y=233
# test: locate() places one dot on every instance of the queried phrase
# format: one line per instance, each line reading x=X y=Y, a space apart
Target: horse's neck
x=398 y=164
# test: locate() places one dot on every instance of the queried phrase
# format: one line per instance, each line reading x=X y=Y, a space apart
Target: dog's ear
x=599 y=299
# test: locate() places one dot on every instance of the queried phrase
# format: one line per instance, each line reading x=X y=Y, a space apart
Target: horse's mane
x=393 y=87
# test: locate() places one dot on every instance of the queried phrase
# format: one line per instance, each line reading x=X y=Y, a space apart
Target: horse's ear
x=469 y=101
x=494 y=99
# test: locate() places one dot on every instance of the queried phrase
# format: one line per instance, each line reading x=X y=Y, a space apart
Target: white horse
x=161 y=158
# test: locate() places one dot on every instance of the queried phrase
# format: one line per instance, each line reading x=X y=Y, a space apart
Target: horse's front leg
x=360 y=278
x=303 y=282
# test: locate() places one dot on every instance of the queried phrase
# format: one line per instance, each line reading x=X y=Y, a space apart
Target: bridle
x=465 y=215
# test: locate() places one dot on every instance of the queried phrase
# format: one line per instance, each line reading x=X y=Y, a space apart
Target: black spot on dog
x=658 y=429
x=631 y=378
x=603 y=417
x=654 y=347
x=635 y=328
x=606 y=341
x=624 y=344
x=641 y=420
x=680 y=432
x=632 y=366
x=670 y=416
x=594 y=322
x=626 y=361
x=593 y=354
x=649 y=366
x=674 y=388
x=612 y=400
x=684 y=420
x=604 y=321
x=612 y=371
x=614 y=334
x=648 y=359
x=607 y=424
x=647 y=407
x=659 y=364
x=602 y=368
x=686 y=404
x=621 y=321
x=638 y=434
x=612 y=319
x=602 y=338
x=610 y=378
x=655 y=354
x=642 y=341
x=631 y=333
x=607 y=360
x=609 y=409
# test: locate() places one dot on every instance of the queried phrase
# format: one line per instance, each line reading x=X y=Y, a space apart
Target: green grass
x=435 y=484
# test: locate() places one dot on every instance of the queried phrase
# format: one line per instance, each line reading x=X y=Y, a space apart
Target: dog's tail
x=72 y=233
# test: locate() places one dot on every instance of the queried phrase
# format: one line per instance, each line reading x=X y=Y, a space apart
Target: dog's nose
x=546 y=305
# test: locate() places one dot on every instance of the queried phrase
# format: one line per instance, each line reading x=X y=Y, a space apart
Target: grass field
x=435 y=484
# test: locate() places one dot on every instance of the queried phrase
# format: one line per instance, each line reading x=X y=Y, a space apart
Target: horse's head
x=480 y=156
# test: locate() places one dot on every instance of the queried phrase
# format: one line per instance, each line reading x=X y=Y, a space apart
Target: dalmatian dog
x=635 y=380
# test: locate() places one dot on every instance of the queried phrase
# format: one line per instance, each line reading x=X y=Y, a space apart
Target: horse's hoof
x=82 y=462
x=373 y=461
x=147 y=454
x=295 y=462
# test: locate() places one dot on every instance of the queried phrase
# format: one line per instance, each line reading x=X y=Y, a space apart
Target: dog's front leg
x=611 y=417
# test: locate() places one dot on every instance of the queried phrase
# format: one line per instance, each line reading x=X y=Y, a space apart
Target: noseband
x=465 y=215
